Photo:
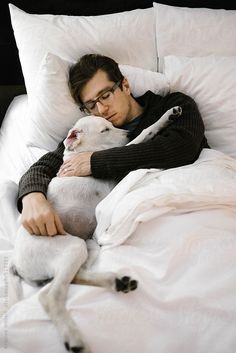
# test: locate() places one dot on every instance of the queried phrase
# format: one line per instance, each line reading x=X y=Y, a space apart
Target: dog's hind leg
x=108 y=280
x=53 y=296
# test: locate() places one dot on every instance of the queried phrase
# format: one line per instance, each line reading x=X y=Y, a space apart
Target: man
x=99 y=88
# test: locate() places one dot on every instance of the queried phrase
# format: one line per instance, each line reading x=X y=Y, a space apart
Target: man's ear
x=126 y=86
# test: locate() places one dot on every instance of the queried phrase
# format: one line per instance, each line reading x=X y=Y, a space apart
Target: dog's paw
x=125 y=284
x=76 y=349
x=73 y=342
x=176 y=112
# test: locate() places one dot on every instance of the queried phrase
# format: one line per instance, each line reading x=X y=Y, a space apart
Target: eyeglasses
x=105 y=98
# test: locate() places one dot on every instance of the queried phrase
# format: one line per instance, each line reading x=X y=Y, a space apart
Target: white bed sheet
x=185 y=264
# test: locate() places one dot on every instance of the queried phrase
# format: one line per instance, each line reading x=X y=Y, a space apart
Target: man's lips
x=110 y=117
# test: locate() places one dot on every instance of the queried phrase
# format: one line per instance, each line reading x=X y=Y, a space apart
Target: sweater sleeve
x=39 y=175
x=178 y=144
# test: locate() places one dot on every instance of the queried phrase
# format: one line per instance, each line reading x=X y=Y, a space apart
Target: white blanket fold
x=149 y=193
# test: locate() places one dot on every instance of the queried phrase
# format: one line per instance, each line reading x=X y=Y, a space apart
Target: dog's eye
x=106 y=129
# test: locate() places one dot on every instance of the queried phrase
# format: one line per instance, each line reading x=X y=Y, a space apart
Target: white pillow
x=194 y=31
x=127 y=37
x=52 y=109
x=211 y=81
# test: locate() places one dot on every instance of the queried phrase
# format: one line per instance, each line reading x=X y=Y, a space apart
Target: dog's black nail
x=67 y=346
x=77 y=349
x=119 y=285
x=125 y=279
x=133 y=284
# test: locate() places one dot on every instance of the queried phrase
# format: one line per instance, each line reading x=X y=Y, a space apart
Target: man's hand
x=38 y=216
x=78 y=165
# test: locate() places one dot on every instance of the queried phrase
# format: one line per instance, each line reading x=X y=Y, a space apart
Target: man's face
x=118 y=108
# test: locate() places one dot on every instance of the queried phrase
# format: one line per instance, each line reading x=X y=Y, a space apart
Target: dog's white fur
x=60 y=258
x=82 y=194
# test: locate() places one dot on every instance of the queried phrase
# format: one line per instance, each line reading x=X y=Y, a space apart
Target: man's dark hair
x=81 y=72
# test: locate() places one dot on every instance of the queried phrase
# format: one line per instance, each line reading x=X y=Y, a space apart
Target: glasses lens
x=90 y=105
x=83 y=109
x=105 y=98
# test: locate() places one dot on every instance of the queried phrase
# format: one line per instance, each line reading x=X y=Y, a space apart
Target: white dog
x=58 y=259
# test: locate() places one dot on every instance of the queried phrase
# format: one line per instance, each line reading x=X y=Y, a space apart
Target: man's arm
x=38 y=217
x=178 y=144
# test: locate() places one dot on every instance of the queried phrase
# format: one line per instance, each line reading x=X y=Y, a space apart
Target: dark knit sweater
x=177 y=144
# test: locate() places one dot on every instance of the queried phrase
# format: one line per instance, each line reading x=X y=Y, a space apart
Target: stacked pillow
x=127 y=37
x=183 y=31
x=197 y=53
x=195 y=49
x=211 y=81
x=49 y=44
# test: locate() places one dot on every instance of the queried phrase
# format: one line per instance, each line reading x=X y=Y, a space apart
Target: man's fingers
x=39 y=226
x=59 y=226
x=35 y=229
x=51 y=228
x=66 y=172
x=42 y=229
x=31 y=227
x=28 y=228
x=65 y=166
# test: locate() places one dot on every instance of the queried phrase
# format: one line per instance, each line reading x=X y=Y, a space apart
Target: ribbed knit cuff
x=27 y=191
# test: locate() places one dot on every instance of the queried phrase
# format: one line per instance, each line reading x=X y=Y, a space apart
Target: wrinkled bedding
x=149 y=193
x=174 y=231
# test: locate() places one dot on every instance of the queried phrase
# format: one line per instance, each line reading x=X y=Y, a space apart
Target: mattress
x=183 y=259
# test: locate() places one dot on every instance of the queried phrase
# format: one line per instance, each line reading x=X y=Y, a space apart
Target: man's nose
x=102 y=108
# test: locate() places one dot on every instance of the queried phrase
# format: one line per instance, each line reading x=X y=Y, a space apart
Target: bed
x=175 y=230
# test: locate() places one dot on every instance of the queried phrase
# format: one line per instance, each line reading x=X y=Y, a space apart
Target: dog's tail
x=15 y=290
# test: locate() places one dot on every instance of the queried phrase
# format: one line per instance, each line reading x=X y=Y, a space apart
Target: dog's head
x=93 y=133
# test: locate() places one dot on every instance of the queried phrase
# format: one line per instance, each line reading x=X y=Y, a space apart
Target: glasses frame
x=85 y=109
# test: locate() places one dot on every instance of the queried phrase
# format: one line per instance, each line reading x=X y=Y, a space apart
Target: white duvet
x=175 y=232
x=145 y=194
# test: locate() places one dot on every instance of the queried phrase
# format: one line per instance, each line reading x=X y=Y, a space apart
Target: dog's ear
x=72 y=136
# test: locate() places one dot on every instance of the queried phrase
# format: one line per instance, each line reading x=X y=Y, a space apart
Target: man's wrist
x=33 y=196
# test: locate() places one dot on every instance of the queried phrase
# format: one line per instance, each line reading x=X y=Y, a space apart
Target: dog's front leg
x=152 y=130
